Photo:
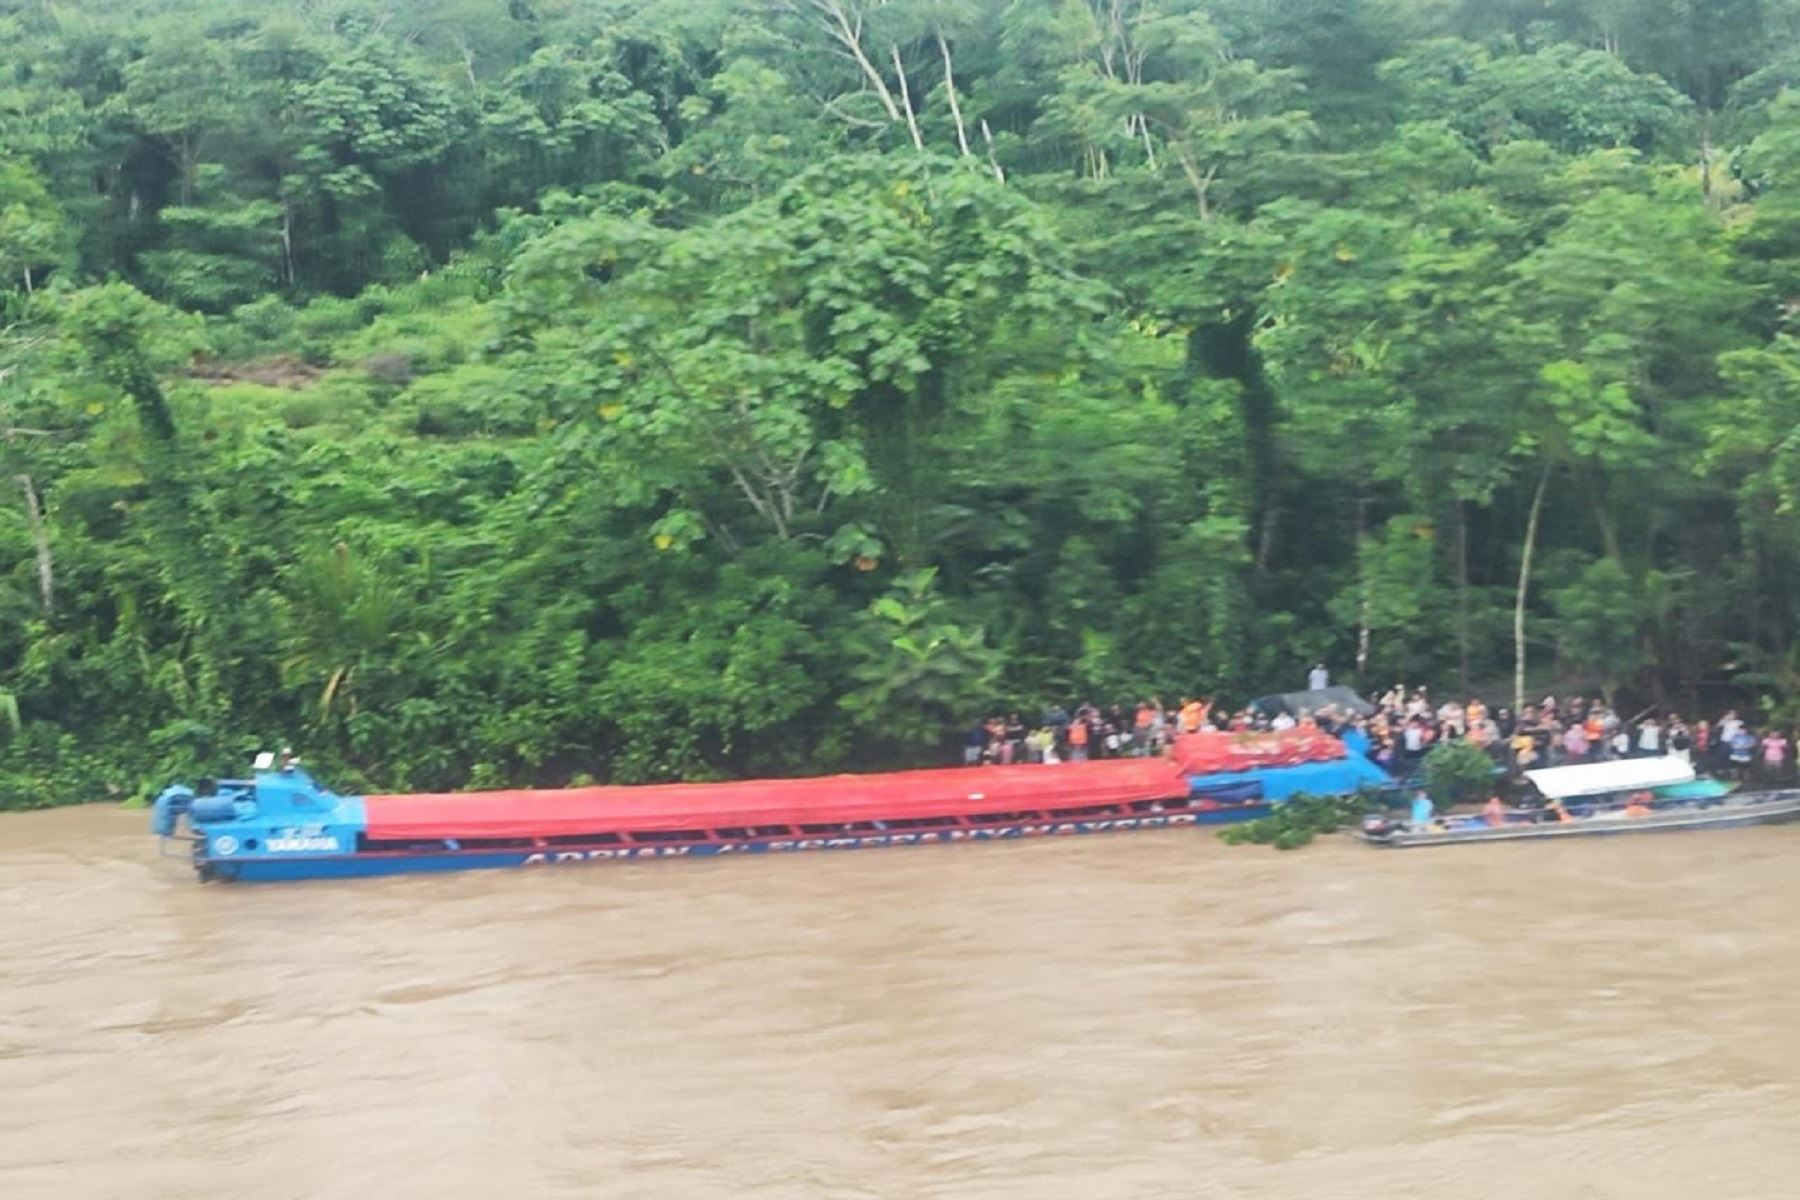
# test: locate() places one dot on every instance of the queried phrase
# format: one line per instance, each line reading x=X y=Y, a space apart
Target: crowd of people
x=1089 y=732
x=1403 y=726
x=1406 y=724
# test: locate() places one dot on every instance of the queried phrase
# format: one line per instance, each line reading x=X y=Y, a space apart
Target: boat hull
x=1745 y=810
x=274 y=868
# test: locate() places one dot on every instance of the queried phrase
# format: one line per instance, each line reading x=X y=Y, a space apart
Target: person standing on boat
x=1412 y=741
x=1524 y=751
x=1741 y=749
x=1141 y=725
x=1575 y=743
x=1775 y=752
x=1453 y=719
x=1318 y=679
x=1422 y=811
x=974 y=743
x=1078 y=740
x=1681 y=742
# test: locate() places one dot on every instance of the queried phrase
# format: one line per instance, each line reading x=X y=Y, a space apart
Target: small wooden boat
x=1628 y=796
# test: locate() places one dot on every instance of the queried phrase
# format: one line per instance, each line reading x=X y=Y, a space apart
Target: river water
x=1146 y=1015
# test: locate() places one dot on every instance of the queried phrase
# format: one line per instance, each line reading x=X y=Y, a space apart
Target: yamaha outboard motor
x=169 y=806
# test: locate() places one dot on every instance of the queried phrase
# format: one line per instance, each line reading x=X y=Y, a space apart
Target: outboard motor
x=169 y=806
x=222 y=806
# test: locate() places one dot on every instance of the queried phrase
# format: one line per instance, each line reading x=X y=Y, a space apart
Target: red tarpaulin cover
x=1209 y=753
x=831 y=799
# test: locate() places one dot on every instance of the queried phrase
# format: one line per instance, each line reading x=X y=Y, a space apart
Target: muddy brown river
x=1146 y=1015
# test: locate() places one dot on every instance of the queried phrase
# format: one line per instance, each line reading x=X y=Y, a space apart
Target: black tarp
x=1342 y=698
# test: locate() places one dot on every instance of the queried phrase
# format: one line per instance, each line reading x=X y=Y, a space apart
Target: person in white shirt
x=1451 y=717
x=1283 y=720
x=1650 y=737
x=1318 y=679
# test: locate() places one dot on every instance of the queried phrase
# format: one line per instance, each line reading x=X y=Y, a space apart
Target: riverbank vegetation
x=1296 y=821
x=469 y=393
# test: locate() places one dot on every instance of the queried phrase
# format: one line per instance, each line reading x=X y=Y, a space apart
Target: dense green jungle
x=469 y=392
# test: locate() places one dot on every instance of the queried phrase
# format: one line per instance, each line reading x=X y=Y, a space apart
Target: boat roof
x=1624 y=775
x=950 y=791
x=839 y=799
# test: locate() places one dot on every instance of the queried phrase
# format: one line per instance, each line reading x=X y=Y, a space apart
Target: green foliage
x=35 y=236
x=1457 y=772
x=914 y=670
x=1601 y=616
x=1300 y=818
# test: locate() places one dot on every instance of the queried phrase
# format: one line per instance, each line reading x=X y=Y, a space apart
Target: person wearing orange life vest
x=1193 y=713
x=1078 y=740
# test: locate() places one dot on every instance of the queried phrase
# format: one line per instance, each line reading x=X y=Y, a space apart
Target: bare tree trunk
x=190 y=155
x=468 y=57
x=1531 y=528
x=1265 y=539
x=40 y=538
x=1462 y=594
x=1200 y=181
x=987 y=137
x=837 y=24
x=1706 y=156
x=1362 y=594
x=912 y=122
x=962 y=136
x=287 y=240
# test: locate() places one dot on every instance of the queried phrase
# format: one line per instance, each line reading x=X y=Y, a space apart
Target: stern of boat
x=280 y=815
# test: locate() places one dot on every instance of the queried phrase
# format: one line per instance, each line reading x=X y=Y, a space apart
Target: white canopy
x=1625 y=775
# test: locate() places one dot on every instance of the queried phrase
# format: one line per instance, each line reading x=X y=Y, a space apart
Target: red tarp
x=831 y=799
x=1211 y=753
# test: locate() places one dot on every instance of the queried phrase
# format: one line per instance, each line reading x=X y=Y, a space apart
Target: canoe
x=1748 y=808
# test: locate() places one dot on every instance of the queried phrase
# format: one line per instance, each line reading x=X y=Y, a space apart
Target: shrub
x=1456 y=773
x=1300 y=818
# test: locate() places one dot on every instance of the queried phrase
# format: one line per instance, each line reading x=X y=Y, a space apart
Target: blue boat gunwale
x=270 y=868
x=1601 y=820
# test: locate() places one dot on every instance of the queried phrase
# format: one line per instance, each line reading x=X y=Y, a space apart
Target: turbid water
x=1148 y=1015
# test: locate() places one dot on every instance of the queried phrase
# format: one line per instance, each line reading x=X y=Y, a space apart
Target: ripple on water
x=1153 y=1015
